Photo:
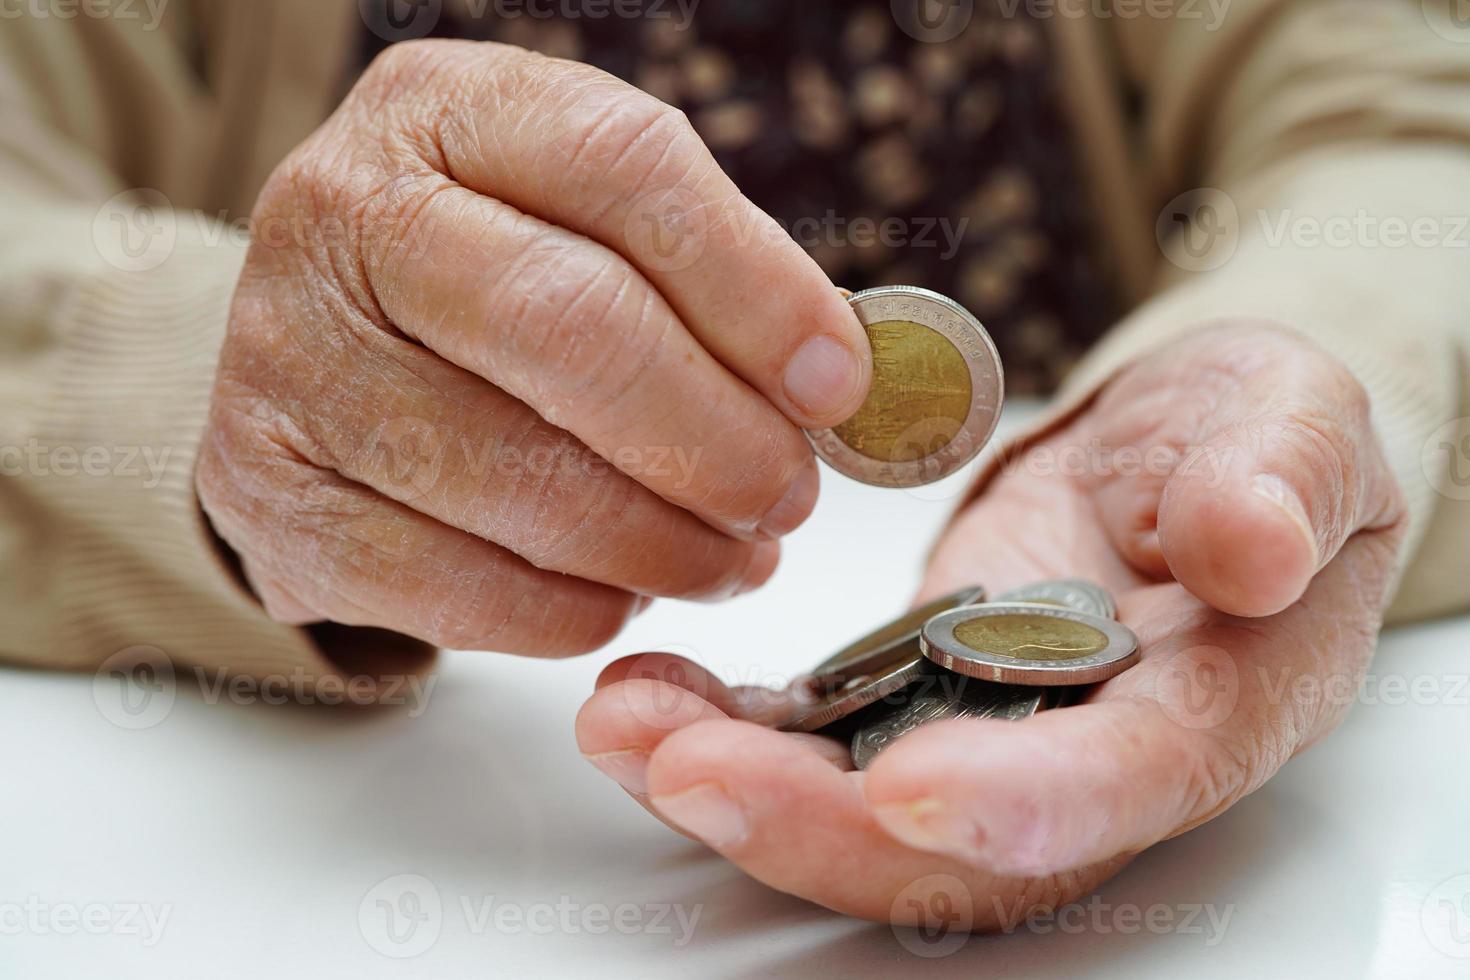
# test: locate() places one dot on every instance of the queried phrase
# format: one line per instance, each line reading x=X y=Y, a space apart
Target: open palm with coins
x=1254 y=573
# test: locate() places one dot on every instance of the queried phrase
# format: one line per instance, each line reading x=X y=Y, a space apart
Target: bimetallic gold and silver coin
x=1073 y=593
x=942 y=696
x=936 y=396
x=1029 y=644
x=885 y=661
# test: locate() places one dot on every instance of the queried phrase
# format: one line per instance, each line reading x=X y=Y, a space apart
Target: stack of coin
x=935 y=399
x=1030 y=649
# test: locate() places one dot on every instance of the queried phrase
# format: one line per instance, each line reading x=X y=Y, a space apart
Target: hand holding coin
x=993 y=814
x=515 y=401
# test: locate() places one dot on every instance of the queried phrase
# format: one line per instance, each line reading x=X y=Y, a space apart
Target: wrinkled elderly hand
x=1254 y=571
x=509 y=353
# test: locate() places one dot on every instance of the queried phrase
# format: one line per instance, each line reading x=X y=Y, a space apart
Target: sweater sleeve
x=1311 y=166
x=113 y=306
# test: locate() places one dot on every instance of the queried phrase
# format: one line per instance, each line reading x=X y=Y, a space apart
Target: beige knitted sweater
x=1345 y=115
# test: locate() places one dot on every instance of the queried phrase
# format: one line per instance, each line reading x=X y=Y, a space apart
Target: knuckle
x=588 y=323
x=308 y=180
x=1320 y=442
x=400 y=219
x=406 y=66
x=746 y=487
x=636 y=143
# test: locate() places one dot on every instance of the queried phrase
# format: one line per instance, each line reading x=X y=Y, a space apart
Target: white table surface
x=263 y=838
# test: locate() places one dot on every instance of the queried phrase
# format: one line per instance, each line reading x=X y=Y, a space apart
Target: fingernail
x=822 y=377
x=932 y=825
x=1280 y=493
x=706 y=812
x=794 y=508
x=626 y=767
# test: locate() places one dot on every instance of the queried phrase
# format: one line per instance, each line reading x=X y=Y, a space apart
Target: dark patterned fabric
x=835 y=120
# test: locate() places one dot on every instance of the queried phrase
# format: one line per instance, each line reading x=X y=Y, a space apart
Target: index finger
x=628 y=171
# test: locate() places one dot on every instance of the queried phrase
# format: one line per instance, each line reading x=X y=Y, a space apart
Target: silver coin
x=849 y=693
x=1030 y=644
x=942 y=696
x=873 y=667
x=876 y=647
x=1074 y=593
x=938 y=387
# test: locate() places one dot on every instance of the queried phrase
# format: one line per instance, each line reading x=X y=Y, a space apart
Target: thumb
x=1288 y=471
